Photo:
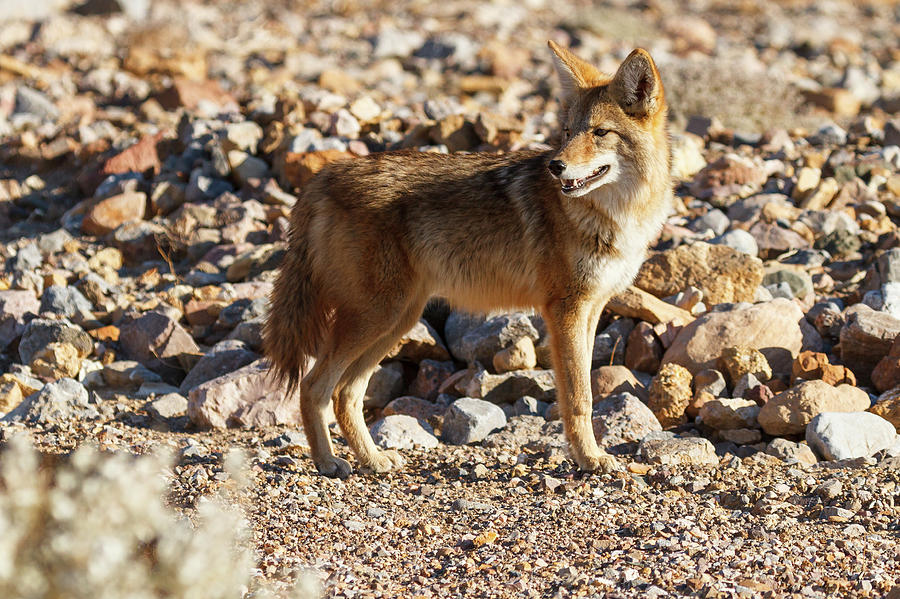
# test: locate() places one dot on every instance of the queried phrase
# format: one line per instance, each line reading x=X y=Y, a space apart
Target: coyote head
x=608 y=123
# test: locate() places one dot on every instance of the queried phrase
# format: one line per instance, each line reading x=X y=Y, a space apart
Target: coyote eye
x=600 y=132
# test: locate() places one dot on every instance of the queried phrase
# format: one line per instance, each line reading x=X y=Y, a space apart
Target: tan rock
x=415 y=407
x=519 y=356
x=670 y=394
x=696 y=404
x=776 y=328
x=10 y=396
x=419 y=343
x=299 y=167
x=108 y=214
x=57 y=360
x=738 y=361
x=189 y=94
x=609 y=380
x=637 y=303
x=722 y=273
x=790 y=411
x=730 y=413
x=807 y=180
x=866 y=338
x=888 y=407
x=814 y=365
x=838 y=100
x=822 y=196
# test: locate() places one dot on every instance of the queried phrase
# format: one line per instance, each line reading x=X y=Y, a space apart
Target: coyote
x=372 y=239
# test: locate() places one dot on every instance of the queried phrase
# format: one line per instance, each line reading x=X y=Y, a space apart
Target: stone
x=738 y=361
x=518 y=356
x=738 y=239
x=886 y=374
x=722 y=273
x=110 y=213
x=729 y=175
x=790 y=411
x=27 y=258
x=481 y=342
x=789 y=451
x=57 y=403
x=866 y=337
x=815 y=365
x=745 y=385
x=713 y=220
x=31 y=101
x=243 y=136
x=776 y=328
x=10 y=396
x=224 y=357
x=422 y=342
x=773 y=240
x=14 y=306
x=510 y=386
x=622 y=418
x=140 y=157
x=57 y=360
x=157 y=341
x=670 y=393
x=430 y=376
x=248 y=397
x=165 y=407
x=761 y=394
x=637 y=303
x=245 y=168
x=189 y=94
x=402 y=432
x=609 y=346
x=299 y=167
x=66 y=301
x=470 y=420
x=797 y=279
x=741 y=436
x=613 y=380
x=693 y=451
x=845 y=436
x=39 y=333
x=730 y=413
x=840 y=101
x=415 y=407
x=385 y=384
x=710 y=381
x=643 y=351
x=139 y=241
x=888 y=407
x=529 y=406
x=128 y=374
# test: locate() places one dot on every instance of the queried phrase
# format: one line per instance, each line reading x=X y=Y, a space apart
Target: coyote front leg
x=568 y=320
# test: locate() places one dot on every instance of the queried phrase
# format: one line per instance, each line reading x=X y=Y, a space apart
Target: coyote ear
x=636 y=86
x=574 y=73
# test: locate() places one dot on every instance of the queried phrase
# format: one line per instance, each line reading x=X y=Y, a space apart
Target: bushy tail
x=298 y=320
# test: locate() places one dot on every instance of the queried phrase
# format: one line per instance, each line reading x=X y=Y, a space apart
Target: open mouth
x=575 y=184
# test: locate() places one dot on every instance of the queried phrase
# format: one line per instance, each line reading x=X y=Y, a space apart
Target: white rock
x=402 y=432
x=848 y=435
x=469 y=420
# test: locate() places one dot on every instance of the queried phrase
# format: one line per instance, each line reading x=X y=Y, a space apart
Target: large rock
x=421 y=342
x=248 y=397
x=14 y=305
x=790 y=411
x=39 y=333
x=610 y=380
x=483 y=341
x=385 y=384
x=469 y=420
x=674 y=451
x=670 y=394
x=842 y=436
x=739 y=361
x=730 y=413
x=510 y=386
x=888 y=407
x=157 y=341
x=791 y=452
x=402 y=432
x=66 y=301
x=722 y=273
x=622 y=418
x=57 y=403
x=866 y=338
x=637 y=303
x=777 y=328
x=225 y=356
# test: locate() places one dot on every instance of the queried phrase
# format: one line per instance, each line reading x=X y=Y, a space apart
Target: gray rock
x=402 y=432
x=225 y=356
x=609 y=346
x=156 y=341
x=58 y=403
x=679 y=450
x=67 y=301
x=510 y=386
x=730 y=413
x=714 y=220
x=27 y=258
x=886 y=269
x=39 y=333
x=128 y=373
x=738 y=239
x=469 y=420
x=295 y=438
x=622 y=418
x=385 y=384
x=866 y=337
x=745 y=383
x=30 y=101
x=799 y=282
x=848 y=435
x=791 y=452
x=170 y=405
x=480 y=343
x=829 y=134
x=249 y=333
x=711 y=381
x=529 y=406
x=14 y=305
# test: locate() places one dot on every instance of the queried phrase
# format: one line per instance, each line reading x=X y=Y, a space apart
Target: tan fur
x=373 y=239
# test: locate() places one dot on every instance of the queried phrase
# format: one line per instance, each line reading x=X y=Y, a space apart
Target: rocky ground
x=749 y=381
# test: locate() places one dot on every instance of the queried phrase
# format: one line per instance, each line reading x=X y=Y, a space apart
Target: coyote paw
x=384 y=461
x=602 y=462
x=334 y=467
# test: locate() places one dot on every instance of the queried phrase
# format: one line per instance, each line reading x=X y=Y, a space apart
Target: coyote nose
x=556 y=167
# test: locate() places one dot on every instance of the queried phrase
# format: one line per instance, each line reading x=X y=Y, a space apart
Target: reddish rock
x=760 y=394
x=886 y=374
x=811 y=365
x=14 y=305
x=108 y=214
x=696 y=404
x=140 y=157
x=643 y=351
x=203 y=312
x=184 y=93
x=609 y=380
x=300 y=167
x=156 y=341
x=773 y=240
x=866 y=338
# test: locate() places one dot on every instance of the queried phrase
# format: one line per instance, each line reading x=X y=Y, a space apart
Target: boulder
x=469 y=420
x=845 y=436
x=790 y=411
